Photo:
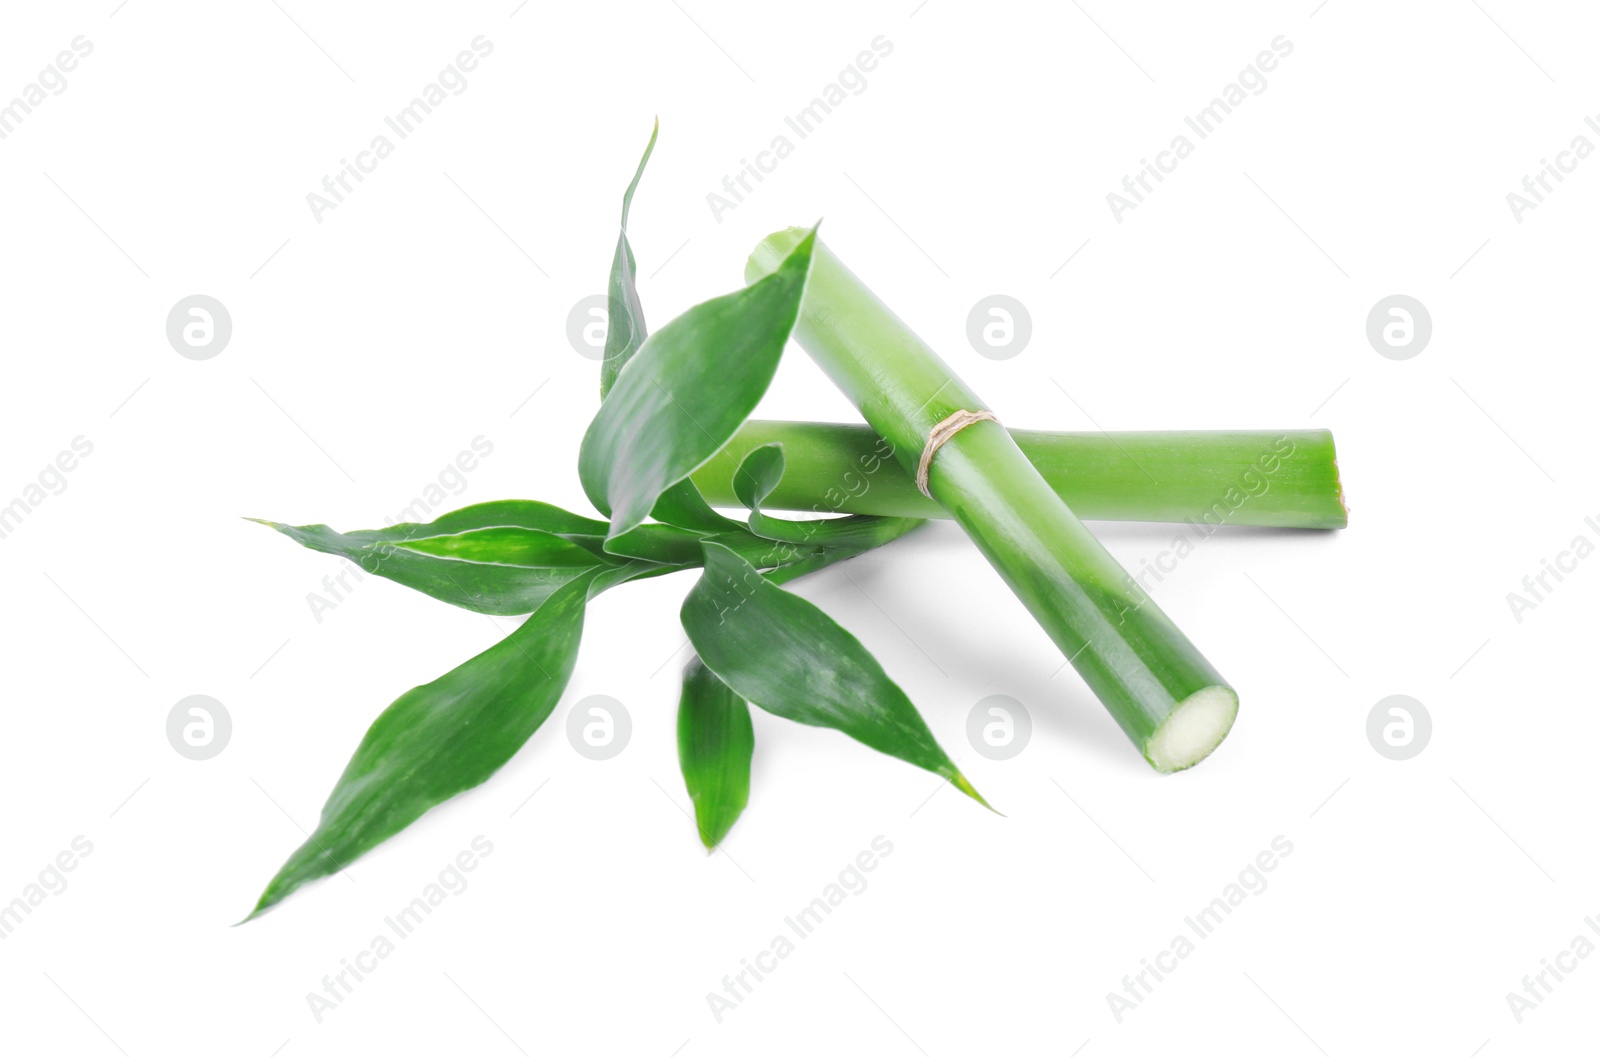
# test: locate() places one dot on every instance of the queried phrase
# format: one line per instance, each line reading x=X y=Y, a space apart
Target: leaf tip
x=622 y=522
x=261 y=907
x=712 y=831
x=959 y=780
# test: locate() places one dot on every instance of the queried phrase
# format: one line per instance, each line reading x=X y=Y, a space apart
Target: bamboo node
x=946 y=428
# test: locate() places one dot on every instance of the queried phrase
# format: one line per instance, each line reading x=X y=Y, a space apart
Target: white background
x=370 y=348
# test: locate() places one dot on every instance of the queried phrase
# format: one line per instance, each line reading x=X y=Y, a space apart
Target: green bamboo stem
x=1270 y=478
x=1167 y=698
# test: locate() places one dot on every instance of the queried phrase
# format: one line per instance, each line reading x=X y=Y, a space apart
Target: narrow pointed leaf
x=441 y=739
x=501 y=558
x=523 y=513
x=715 y=744
x=783 y=654
x=681 y=505
x=509 y=545
x=686 y=391
x=625 y=329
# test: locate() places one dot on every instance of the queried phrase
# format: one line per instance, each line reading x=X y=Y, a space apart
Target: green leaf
x=501 y=558
x=441 y=739
x=506 y=545
x=676 y=548
x=783 y=654
x=757 y=476
x=664 y=544
x=625 y=329
x=687 y=390
x=715 y=743
x=683 y=505
x=524 y=513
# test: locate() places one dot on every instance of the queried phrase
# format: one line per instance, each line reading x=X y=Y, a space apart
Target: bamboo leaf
x=715 y=745
x=441 y=739
x=508 y=545
x=501 y=558
x=686 y=391
x=676 y=548
x=802 y=547
x=683 y=505
x=760 y=473
x=524 y=513
x=783 y=654
x=625 y=328
x=664 y=544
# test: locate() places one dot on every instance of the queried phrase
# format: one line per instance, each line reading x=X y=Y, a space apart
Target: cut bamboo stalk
x=1265 y=478
x=1164 y=694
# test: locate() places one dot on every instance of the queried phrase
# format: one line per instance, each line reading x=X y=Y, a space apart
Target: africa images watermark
x=1537 y=987
x=452 y=80
x=852 y=80
x=52 y=480
x=1537 y=588
x=1251 y=484
x=52 y=79
x=853 y=484
x=51 y=881
x=452 y=479
x=451 y=881
x=1536 y=186
x=802 y=924
x=1252 y=80
x=1252 y=881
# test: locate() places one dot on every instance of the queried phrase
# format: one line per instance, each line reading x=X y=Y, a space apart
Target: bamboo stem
x=1270 y=478
x=1164 y=694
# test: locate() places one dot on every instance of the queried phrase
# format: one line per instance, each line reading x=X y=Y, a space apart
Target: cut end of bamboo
x=1193 y=730
x=1338 y=484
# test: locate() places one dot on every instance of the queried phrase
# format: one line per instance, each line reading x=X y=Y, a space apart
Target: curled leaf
x=761 y=472
x=625 y=329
